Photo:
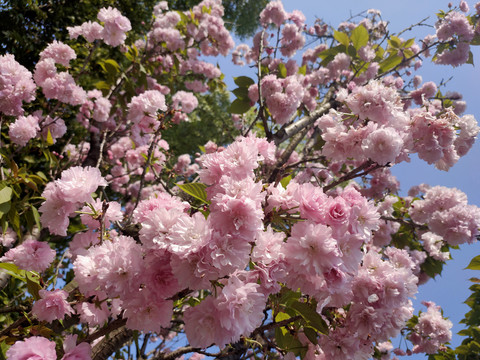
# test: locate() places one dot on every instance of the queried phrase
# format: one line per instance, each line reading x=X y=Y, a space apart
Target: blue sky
x=451 y=289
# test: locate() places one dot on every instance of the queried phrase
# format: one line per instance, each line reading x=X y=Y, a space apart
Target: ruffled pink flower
x=273 y=14
x=454 y=23
x=383 y=145
x=143 y=314
x=91 y=31
x=184 y=101
x=53 y=305
x=432 y=330
x=205 y=316
x=312 y=248
x=114 y=266
x=92 y=314
x=82 y=351
x=34 y=348
x=16 y=86
x=240 y=307
x=31 y=255
x=23 y=129
x=8 y=237
x=77 y=183
x=113 y=213
x=60 y=53
x=115 y=26
x=143 y=108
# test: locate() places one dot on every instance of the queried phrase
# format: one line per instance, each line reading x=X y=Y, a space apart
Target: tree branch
x=176 y=353
x=294 y=128
x=108 y=345
x=367 y=166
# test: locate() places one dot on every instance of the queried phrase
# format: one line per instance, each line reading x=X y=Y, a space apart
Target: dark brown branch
x=94 y=153
x=368 y=166
x=287 y=153
x=176 y=353
x=115 y=340
x=110 y=328
x=9 y=309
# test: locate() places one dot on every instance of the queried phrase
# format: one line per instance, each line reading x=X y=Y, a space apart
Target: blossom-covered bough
x=289 y=242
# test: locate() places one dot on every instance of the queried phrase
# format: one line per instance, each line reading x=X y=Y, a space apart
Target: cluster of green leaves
x=298 y=315
x=242 y=103
x=350 y=42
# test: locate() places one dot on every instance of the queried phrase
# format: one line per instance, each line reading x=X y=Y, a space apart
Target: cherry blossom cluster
x=66 y=195
x=447 y=215
x=16 y=86
x=113 y=31
x=431 y=331
x=37 y=347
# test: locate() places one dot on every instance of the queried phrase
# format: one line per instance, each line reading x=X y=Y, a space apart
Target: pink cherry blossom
x=82 y=351
x=24 y=129
x=31 y=255
x=35 y=347
x=60 y=53
x=53 y=305
x=16 y=86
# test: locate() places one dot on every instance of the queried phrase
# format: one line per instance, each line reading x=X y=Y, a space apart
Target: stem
x=176 y=353
x=368 y=166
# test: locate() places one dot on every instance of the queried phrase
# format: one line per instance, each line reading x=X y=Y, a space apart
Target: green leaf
x=289 y=296
x=474 y=263
x=243 y=81
x=432 y=267
x=470 y=58
x=285 y=181
x=197 y=190
x=409 y=43
x=341 y=37
x=390 y=62
x=359 y=37
x=3 y=350
x=36 y=216
x=282 y=70
x=102 y=85
x=464 y=332
x=311 y=316
x=49 y=138
x=72 y=285
x=311 y=334
x=4 y=208
x=395 y=42
x=287 y=341
x=239 y=106
x=476 y=40
x=302 y=70
x=14 y=271
x=33 y=285
x=111 y=66
x=241 y=93
x=5 y=195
